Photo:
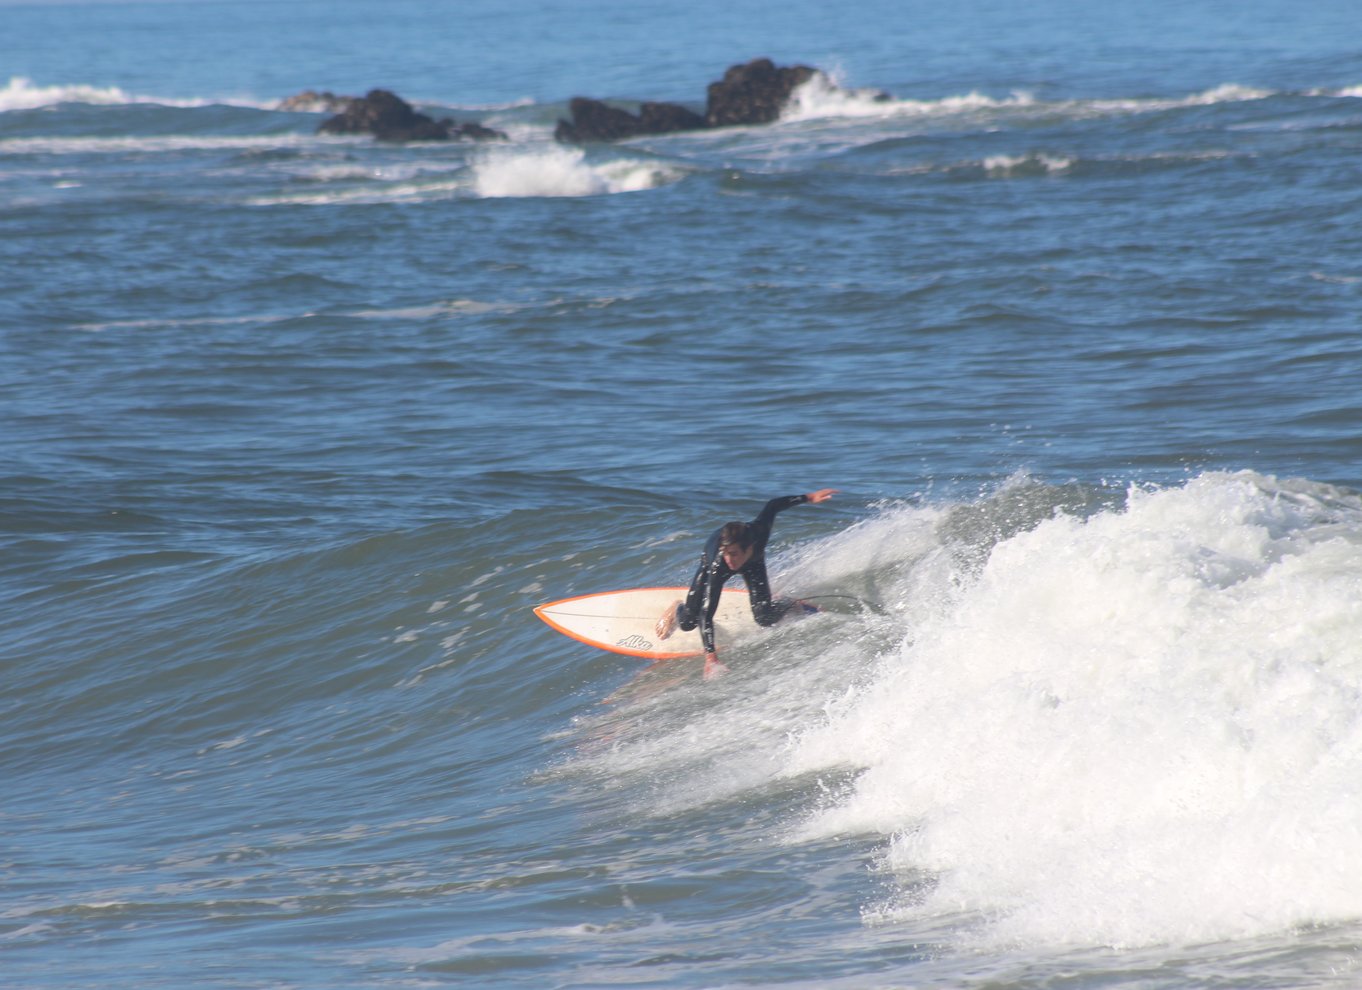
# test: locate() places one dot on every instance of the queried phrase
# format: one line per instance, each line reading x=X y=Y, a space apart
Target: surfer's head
x=735 y=544
x=735 y=534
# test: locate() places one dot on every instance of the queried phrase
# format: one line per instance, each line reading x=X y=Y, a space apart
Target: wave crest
x=560 y=171
x=823 y=97
x=21 y=94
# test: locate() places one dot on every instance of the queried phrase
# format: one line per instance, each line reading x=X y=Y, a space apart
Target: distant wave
x=1043 y=164
x=559 y=171
x=1033 y=164
x=821 y=98
x=542 y=170
x=147 y=145
x=22 y=94
x=1225 y=93
x=369 y=193
x=438 y=308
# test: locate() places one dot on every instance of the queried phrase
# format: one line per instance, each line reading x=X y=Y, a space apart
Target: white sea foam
x=559 y=171
x=824 y=97
x=1229 y=93
x=1226 y=93
x=1020 y=165
x=160 y=144
x=415 y=190
x=502 y=172
x=22 y=94
x=1137 y=728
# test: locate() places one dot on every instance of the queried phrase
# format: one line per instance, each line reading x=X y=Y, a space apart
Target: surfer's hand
x=713 y=668
x=822 y=495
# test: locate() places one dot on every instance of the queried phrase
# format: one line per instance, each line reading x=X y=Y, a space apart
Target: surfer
x=735 y=548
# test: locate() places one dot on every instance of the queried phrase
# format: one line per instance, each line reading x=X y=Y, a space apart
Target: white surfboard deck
x=623 y=621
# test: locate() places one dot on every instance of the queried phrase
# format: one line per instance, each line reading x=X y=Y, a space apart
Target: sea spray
x=1137 y=727
x=559 y=171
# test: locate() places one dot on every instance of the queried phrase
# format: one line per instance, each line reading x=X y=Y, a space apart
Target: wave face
x=1081 y=717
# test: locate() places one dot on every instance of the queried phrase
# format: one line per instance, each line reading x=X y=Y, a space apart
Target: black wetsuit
x=703 y=598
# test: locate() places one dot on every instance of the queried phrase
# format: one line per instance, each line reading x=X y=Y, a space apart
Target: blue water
x=297 y=429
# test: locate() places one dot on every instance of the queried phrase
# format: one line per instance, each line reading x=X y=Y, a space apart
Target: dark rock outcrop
x=664 y=118
x=388 y=117
x=594 y=120
x=754 y=93
x=469 y=131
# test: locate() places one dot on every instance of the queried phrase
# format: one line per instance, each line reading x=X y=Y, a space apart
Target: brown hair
x=735 y=532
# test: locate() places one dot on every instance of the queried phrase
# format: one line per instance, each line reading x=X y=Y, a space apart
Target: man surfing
x=735 y=548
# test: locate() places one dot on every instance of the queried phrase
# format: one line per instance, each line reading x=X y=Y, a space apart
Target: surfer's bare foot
x=666 y=625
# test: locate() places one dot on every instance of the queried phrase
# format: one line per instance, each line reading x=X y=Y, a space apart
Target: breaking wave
x=1131 y=728
x=22 y=94
x=1082 y=717
x=821 y=97
x=561 y=171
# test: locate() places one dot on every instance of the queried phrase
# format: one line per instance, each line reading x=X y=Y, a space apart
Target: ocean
x=297 y=429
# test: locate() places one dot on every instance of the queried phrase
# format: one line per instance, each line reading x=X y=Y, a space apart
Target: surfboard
x=623 y=621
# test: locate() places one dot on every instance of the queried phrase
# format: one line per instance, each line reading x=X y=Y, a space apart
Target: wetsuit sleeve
x=761 y=526
x=711 y=587
x=702 y=600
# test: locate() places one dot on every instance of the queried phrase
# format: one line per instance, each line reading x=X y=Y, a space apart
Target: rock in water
x=595 y=120
x=754 y=93
x=388 y=117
